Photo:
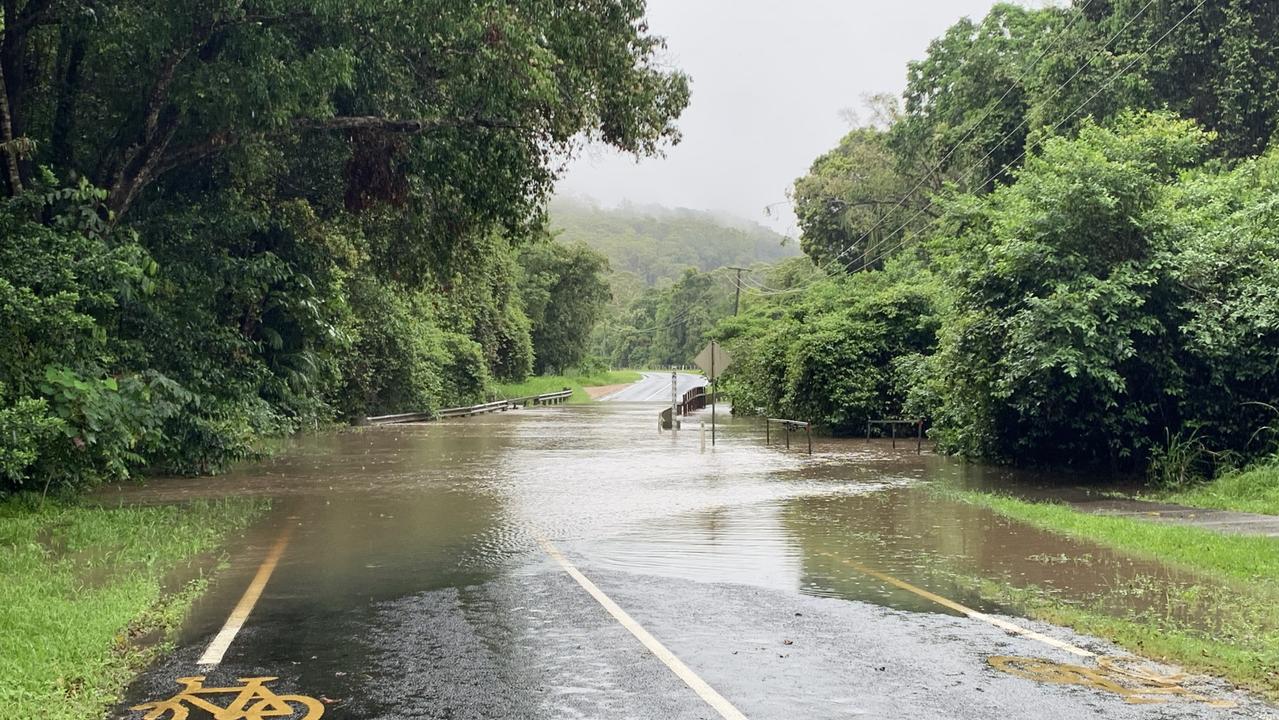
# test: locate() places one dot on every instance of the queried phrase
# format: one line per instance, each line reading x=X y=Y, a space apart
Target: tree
x=565 y=291
x=854 y=205
x=1062 y=348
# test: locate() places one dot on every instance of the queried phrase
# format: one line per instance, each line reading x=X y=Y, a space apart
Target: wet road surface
x=415 y=580
x=656 y=387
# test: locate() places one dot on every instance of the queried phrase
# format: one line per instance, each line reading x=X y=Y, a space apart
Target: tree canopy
x=244 y=217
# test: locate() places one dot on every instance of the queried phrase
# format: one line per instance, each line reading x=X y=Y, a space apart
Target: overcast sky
x=770 y=78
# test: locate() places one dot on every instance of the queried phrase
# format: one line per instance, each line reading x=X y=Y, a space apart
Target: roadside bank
x=1254 y=490
x=1235 y=604
x=577 y=382
x=90 y=595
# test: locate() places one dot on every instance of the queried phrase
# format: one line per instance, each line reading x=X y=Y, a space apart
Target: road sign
x=713 y=360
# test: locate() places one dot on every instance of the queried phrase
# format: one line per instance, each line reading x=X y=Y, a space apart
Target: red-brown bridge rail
x=694 y=400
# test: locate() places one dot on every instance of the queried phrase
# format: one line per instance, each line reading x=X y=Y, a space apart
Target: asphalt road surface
x=656 y=388
x=570 y=562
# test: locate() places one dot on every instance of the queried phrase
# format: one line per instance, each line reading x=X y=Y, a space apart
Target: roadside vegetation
x=221 y=223
x=1051 y=270
x=1253 y=490
x=1227 y=624
x=576 y=380
x=1240 y=558
x=89 y=595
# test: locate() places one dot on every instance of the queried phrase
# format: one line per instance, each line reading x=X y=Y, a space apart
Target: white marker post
x=674 y=400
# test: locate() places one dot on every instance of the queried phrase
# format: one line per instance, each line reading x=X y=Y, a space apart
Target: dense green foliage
x=232 y=219
x=1047 y=268
x=565 y=290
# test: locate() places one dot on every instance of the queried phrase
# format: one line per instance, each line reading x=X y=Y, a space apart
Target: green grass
x=1237 y=557
x=576 y=382
x=1239 y=591
x=82 y=587
x=1243 y=649
x=1254 y=490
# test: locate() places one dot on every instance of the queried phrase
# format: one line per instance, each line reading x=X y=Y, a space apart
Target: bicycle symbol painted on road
x=253 y=701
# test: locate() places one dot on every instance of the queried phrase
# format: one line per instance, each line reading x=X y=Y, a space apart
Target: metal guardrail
x=788 y=427
x=554 y=398
x=917 y=423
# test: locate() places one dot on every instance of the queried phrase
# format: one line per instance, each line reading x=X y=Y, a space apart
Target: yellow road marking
x=213 y=654
x=682 y=671
x=965 y=610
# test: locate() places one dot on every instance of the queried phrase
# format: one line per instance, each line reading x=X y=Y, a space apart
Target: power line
x=1075 y=112
x=967 y=171
x=989 y=111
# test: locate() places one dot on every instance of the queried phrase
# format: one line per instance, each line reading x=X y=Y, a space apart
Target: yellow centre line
x=677 y=666
x=965 y=610
x=222 y=641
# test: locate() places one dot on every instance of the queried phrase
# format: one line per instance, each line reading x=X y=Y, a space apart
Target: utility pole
x=737 y=299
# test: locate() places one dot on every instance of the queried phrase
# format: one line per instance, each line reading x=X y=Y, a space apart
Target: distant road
x=655 y=387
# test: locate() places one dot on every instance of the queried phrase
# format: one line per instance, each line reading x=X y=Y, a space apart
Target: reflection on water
x=383 y=513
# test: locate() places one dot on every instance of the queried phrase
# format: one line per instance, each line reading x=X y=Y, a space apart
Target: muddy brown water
x=381 y=513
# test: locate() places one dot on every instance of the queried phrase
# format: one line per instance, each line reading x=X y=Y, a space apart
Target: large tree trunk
x=13 y=174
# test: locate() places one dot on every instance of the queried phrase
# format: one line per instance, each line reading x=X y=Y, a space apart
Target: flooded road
x=446 y=571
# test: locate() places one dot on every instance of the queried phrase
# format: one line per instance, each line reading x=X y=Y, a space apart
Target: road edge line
x=240 y=614
x=707 y=693
x=1000 y=623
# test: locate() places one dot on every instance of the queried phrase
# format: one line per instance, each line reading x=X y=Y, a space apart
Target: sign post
x=713 y=360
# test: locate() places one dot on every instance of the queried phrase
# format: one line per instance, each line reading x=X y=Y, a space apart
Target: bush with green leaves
x=71 y=413
x=832 y=358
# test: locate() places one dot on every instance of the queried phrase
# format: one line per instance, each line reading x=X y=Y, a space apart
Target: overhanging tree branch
x=219 y=142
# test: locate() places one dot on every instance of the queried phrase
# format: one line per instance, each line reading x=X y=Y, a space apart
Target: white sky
x=770 y=78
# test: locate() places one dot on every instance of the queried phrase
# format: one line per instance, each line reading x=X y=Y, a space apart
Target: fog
x=771 y=80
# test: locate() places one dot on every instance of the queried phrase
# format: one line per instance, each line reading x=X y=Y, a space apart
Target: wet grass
x=83 y=604
x=1227 y=624
x=1253 y=490
x=577 y=382
x=1242 y=645
x=1236 y=557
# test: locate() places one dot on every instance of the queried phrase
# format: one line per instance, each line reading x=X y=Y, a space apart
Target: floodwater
x=387 y=511
x=377 y=515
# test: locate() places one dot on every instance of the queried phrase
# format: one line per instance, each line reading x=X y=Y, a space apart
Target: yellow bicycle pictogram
x=252 y=701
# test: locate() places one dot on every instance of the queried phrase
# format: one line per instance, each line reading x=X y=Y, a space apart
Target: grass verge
x=543 y=384
x=1235 y=608
x=84 y=602
x=1242 y=646
x=1237 y=557
x=1253 y=490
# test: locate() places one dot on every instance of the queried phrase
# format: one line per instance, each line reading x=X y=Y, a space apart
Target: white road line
x=222 y=641
x=682 y=671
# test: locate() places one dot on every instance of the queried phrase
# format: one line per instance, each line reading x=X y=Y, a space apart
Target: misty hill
x=656 y=242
